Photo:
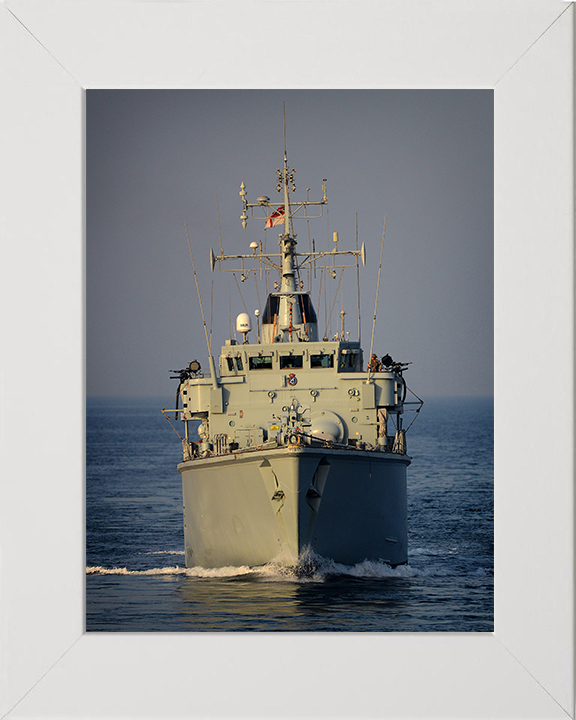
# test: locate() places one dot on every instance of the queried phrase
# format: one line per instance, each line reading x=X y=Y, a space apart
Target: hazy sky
x=158 y=159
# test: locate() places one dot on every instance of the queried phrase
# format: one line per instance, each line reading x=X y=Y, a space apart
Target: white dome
x=243 y=323
x=326 y=425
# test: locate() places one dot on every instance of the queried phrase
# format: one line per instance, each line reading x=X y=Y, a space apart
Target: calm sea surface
x=135 y=575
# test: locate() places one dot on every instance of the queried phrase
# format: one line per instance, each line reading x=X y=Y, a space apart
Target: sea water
x=136 y=580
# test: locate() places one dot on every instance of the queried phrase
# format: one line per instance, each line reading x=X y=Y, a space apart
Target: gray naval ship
x=291 y=446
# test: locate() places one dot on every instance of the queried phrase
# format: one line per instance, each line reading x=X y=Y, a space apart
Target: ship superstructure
x=290 y=444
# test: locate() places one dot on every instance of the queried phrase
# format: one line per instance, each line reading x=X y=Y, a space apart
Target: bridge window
x=347 y=362
x=322 y=360
x=260 y=362
x=230 y=361
x=287 y=362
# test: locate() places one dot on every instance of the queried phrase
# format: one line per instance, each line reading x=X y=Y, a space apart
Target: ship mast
x=289 y=315
x=292 y=317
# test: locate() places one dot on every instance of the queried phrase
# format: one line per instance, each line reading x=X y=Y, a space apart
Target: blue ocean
x=135 y=575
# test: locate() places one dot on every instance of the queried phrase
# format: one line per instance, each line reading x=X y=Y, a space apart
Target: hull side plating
x=251 y=508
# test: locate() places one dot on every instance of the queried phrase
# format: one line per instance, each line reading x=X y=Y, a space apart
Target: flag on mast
x=277 y=217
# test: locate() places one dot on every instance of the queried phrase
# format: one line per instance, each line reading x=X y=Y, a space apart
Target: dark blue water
x=136 y=581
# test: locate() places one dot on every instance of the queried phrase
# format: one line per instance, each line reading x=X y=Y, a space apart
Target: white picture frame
x=51 y=52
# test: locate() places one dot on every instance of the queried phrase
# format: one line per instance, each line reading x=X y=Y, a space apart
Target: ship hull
x=250 y=508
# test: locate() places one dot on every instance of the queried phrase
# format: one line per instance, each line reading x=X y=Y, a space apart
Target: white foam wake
x=197 y=572
x=315 y=568
x=311 y=568
x=99 y=570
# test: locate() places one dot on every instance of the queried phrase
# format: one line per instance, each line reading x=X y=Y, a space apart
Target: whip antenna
x=219 y=231
x=377 y=288
x=230 y=310
x=284 y=114
x=358 y=284
x=211 y=309
x=210 y=358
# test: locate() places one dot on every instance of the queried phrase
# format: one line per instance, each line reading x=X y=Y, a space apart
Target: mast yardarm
x=290 y=323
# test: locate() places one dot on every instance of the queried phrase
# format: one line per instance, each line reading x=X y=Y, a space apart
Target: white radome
x=243 y=324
